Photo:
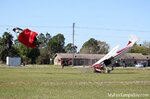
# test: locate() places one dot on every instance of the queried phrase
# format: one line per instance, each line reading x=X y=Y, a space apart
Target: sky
x=111 y=21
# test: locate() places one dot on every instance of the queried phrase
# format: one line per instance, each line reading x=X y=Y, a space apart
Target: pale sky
x=106 y=20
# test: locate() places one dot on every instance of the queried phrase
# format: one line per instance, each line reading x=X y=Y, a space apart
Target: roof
x=99 y=56
x=80 y=56
x=138 y=56
x=147 y=56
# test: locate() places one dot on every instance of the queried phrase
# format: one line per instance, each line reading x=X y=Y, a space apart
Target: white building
x=13 y=61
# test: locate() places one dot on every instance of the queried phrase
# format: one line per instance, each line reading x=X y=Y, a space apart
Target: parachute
x=27 y=37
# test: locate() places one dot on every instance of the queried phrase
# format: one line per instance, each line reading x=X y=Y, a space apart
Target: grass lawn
x=52 y=82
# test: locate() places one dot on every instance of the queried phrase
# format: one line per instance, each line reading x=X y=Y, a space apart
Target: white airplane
x=103 y=65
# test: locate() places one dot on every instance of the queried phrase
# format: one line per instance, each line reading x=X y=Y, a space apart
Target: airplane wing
x=115 y=54
x=109 y=55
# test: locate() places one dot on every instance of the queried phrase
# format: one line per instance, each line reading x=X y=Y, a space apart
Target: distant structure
x=129 y=59
x=13 y=61
x=79 y=59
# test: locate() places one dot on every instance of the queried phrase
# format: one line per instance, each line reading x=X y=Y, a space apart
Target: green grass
x=52 y=82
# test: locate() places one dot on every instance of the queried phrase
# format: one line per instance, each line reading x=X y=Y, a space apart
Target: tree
x=56 y=44
x=44 y=57
x=44 y=39
x=48 y=37
x=28 y=55
x=1 y=45
x=141 y=48
x=6 y=48
x=102 y=47
x=13 y=52
x=7 y=39
x=33 y=54
x=93 y=46
x=147 y=45
x=69 y=48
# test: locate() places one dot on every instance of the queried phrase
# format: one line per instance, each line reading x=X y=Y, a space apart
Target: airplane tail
x=132 y=40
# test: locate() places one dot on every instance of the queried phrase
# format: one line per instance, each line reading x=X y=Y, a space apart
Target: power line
x=36 y=26
x=111 y=29
x=79 y=27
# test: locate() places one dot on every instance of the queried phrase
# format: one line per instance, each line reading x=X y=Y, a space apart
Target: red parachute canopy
x=27 y=37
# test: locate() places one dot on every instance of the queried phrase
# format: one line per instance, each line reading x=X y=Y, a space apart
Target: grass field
x=52 y=82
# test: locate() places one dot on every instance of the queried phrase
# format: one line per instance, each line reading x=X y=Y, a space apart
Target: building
x=148 y=59
x=13 y=61
x=79 y=59
x=129 y=59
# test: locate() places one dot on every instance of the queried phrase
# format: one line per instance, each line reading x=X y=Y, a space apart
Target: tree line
x=50 y=45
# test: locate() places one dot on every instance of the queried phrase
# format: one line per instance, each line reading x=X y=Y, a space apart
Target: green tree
x=28 y=55
x=7 y=39
x=102 y=47
x=33 y=55
x=48 y=37
x=56 y=44
x=44 y=39
x=5 y=49
x=13 y=52
x=69 y=48
x=147 y=45
x=1 y=45
x=23 y=51
x=93 y=46
x=44 y=57
x=141 y=48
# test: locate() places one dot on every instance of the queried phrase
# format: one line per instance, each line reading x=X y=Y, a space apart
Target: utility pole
x=73 y=44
